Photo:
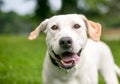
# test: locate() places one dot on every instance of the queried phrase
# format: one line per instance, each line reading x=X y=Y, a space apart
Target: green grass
x=21 y=60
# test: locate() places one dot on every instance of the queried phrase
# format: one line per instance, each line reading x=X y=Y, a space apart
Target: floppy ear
x=34 y=34
x=94 y=29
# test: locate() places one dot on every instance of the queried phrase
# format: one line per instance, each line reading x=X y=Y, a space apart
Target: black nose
x=65 y=42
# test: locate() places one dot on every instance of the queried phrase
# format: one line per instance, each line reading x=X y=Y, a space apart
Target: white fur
x=95 y=57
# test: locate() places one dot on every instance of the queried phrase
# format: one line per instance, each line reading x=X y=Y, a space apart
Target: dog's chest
x=65 y=80
x=67 y=77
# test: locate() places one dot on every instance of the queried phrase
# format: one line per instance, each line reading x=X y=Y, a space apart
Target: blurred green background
x=20 y=59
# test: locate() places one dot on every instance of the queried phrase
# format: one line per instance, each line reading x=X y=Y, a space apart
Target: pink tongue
x=74 y=58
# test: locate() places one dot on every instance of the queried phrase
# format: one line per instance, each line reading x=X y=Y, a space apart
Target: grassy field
x=21 y=60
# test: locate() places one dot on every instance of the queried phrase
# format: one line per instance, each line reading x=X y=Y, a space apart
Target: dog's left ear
x=34 y=34
x=94 y=29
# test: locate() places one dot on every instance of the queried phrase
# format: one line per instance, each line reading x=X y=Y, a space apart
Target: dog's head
x=67 y=36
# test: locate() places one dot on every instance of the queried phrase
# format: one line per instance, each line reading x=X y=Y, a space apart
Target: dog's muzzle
x=66 y=60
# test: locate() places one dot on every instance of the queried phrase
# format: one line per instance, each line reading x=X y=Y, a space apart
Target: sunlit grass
x=21 y=59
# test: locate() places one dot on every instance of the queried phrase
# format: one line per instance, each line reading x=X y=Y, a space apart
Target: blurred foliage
x=42 y=10
x=107 y=12
x=69 y=6
x=11 y=23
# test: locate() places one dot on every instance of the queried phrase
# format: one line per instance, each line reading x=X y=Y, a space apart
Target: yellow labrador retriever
x=71 y=57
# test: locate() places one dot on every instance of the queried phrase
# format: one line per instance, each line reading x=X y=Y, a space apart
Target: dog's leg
x=109 y=76
x=107 y=70
x=117 y=70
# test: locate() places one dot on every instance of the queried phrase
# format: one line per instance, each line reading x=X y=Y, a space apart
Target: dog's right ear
x=34 y=34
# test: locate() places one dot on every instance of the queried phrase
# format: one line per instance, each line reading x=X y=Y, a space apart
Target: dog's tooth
x=72 y=62
x=61 y=61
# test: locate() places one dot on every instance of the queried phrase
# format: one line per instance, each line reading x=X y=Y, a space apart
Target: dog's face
x=67 y=36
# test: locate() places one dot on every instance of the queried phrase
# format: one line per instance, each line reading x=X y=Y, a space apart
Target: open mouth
x=67 y=60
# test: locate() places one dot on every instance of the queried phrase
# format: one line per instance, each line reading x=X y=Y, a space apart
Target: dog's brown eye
x=54 y=27
x=76 y=26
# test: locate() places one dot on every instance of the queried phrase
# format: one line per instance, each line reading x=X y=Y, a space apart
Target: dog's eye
x=76 y=26
x=54 y=27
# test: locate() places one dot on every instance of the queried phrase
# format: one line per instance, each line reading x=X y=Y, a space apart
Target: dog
x=75 y=54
